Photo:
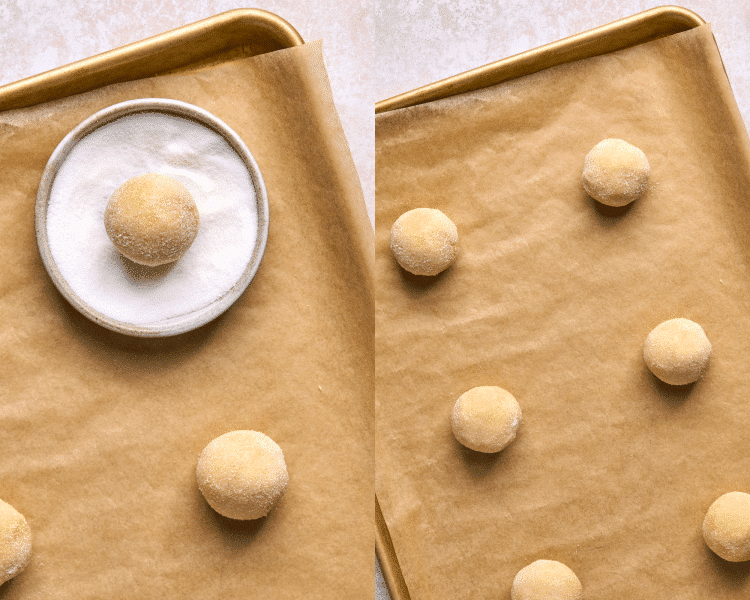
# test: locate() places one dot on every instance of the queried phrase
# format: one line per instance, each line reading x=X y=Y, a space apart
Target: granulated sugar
x=200 y=159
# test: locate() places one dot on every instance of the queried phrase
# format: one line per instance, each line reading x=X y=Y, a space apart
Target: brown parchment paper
x=101 y=432
x=551 y=297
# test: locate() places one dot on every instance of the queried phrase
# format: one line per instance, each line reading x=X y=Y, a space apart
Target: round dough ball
x=546 y=580
x=424 y=241
x=151 y=219
x=242 y=474
x=677 y=351
x=615 y=173
x=486 y=418
x=15 y=542
x=726 y=527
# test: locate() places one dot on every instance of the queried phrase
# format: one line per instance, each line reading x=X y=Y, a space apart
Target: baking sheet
x=551 y=298
x=102 y=432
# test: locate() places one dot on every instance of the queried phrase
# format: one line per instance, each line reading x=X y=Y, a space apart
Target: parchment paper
x=551 y=298
x=101 y=432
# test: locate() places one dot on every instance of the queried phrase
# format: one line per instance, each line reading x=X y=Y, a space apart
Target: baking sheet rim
x=109 y=64
x=569 y=49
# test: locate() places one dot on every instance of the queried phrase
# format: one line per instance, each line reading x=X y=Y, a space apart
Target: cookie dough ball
x=151 y=219
x=546 y=580
x=726 y=527
x=677 y=351
x=15 y=542
x=615 y=173
x=424 y=241
x=486 y=418
x=242 y=474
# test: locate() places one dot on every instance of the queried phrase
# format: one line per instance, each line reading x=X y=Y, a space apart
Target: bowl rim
x=180 y=323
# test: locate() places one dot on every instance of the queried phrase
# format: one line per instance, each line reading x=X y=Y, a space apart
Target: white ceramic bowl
x=225 y=298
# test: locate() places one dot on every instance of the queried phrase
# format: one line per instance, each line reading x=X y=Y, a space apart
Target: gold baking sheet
x=551 y=298
x=101 y=432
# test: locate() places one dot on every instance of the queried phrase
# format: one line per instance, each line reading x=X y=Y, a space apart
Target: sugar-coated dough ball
x=151 y=219
x=15 y=542
x=677 y=351
x=486 y=418
x=546 y=580
x=242 y=474
x=424 y=241
x=615 y=172
x=726 y=527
